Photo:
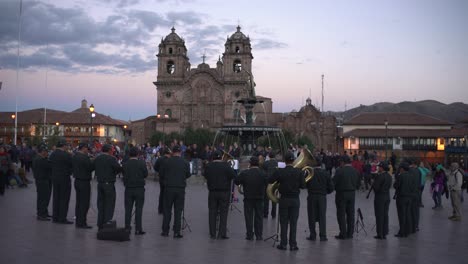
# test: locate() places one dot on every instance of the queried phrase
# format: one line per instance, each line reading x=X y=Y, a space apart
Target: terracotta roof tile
x=394 y=119
x=52 y=116
x=397 y=133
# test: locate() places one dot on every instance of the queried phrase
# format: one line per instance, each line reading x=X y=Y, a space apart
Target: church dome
x=238 y=35
x=173 y=37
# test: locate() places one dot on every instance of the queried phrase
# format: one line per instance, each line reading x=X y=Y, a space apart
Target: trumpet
x=305 y=161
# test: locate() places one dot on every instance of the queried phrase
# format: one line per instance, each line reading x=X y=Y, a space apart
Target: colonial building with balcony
x=456 y=148
x=405 y=134
x=75 y=126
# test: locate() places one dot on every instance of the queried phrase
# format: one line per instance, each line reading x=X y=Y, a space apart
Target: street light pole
x=92 y=115
x=125 y=138
x=13 y=116
x=164 y=118
x=386 y=139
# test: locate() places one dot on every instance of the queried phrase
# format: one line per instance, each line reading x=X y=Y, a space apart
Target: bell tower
x=173 y=63
x=173 y=67
x=237 y=56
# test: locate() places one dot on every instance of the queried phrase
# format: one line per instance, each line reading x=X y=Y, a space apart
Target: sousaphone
x=305 y=162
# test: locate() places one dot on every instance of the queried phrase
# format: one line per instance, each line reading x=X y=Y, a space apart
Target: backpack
x=465 y=179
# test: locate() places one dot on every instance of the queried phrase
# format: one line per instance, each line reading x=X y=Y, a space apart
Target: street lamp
x=13 y=117
x=57 y=132
x=92 y=115
x=386 y=139
x=164 y=118
x=125 y=138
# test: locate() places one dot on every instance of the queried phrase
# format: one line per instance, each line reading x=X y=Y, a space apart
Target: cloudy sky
x=104 y=50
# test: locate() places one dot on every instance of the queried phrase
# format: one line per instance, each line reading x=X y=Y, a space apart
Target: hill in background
x=454 y=112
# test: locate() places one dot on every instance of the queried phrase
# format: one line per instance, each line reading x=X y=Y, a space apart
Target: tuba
x=228 y=158
x=305 y=161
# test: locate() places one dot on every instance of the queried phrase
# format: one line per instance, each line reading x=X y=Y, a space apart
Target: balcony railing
x=452 y=149
x=79 y=134
x=376 y=147
x=419 y=147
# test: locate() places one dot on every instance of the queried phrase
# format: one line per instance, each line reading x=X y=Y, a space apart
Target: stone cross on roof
x=204 y=56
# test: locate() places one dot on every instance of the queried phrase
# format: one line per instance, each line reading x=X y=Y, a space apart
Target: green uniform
x=318 y=187
x=42 y=172
x=61 y=162
x=134 y=174
x=176 y=170
x=82 y=171
x=346 y=182
x=106 y=168
x=381 y=187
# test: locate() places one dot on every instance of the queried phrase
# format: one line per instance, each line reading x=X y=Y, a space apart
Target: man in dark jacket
x=404 y=188
x=381 y=187
x=42 y=172
x=416 y=194
x=253 y=181
x=290 y=181
x=158 y=167
x=318 y=187
x=82 y=171
x=106 y=168
x=219 y=175
x=61 y=162
x=269 y=167
x=5 y=165
x=134 y=174
x=176 y=171
x=346 y=182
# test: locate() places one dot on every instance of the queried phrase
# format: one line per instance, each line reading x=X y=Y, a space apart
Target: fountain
x=249 y=135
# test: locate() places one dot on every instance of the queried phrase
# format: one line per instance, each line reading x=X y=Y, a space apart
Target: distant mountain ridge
x=454 y=112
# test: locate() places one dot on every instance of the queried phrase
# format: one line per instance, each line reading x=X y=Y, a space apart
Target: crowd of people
x=174 y=163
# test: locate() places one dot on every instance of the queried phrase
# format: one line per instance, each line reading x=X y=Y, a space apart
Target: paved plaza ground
x=23 y=239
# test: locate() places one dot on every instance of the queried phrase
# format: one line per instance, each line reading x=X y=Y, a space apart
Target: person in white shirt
x=454 y=183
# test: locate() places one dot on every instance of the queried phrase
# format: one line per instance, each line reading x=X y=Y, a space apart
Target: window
x=237 y=50
x=170 y=67
x=170 y=50
x=237 y=66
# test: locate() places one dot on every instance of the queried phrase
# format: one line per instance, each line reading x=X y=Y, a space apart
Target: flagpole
x=17 y=73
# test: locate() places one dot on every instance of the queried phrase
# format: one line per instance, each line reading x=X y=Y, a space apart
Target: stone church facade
x=205 y=97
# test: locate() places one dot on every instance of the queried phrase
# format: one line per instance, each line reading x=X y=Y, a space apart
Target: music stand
x=275 y=237
x=232 y=206
x=185 y=224
x=360 y=222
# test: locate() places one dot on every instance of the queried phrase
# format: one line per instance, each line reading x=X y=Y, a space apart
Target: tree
x=156 y=137
x=200 y=136
x=299 y=140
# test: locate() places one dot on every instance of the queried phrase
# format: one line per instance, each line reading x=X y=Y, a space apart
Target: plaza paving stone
x=23 y=239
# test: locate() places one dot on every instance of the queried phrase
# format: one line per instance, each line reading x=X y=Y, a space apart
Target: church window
x=170 y=50
x=237 y=50
x=168 y=94
x=168 y=112
x=237 y=66
x=170 y=67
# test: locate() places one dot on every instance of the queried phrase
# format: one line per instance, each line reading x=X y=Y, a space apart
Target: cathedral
x=204 y=97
